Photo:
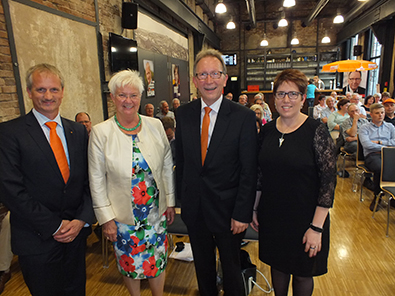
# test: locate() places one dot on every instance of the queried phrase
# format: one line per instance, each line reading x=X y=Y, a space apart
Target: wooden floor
x=361 y=258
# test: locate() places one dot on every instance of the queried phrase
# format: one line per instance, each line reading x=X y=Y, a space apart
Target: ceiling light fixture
x=289 y=3
x=295 y=40
x=338 y=19
x=283 y=22
x=231 y=25
x=326 y=38
x=264 y=42
x=220 y=8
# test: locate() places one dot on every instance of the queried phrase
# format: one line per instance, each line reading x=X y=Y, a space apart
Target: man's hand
x=237 y=227
x=68 y=231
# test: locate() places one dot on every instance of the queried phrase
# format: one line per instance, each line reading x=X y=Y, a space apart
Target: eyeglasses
x=123 y=96
x=213 y=75
x=355 y=79
x=292 y=95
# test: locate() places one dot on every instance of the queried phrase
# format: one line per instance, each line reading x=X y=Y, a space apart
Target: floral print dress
x=141 y=249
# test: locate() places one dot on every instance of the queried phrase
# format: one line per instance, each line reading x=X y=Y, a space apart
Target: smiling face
x=210 y=88
x=389 y=109
x=354 y=79
x=127 y=101
x=286 y=107
x=46 y=93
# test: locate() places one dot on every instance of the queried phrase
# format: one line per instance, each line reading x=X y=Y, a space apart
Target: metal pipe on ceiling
x=251 y=12
x=316 y=11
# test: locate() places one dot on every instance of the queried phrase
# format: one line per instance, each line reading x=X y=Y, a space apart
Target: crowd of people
x=224 y=161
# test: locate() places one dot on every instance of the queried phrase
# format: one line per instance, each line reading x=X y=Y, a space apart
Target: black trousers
x=60 y=272
x=373 y=163
x=204 y=243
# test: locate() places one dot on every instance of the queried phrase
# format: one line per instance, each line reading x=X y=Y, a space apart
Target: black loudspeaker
x=357 y=50
x=129 y=15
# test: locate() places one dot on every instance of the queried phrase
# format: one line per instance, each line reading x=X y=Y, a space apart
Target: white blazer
x=110 y=168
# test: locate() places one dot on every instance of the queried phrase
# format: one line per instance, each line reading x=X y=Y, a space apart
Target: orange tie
x=204 y=136
x=57 y=148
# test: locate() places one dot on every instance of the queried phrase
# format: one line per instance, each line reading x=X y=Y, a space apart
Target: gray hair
x=126 y=78
x=42 y=68
x=209 y=53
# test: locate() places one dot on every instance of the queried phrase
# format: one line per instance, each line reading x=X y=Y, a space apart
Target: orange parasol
x=349 y=66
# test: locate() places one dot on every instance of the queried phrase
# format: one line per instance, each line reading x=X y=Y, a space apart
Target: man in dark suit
x=354 y=79
x=216 y=145
x=46 y=189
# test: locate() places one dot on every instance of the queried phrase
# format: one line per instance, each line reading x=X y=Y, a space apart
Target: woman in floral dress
x=131 y=181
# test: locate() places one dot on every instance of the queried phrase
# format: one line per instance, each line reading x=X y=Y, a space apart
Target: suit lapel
x=36 y=132
x=195 y=132
x=221 y=125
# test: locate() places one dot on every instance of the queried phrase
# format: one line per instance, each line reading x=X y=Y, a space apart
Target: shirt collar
x=42 y=119
x=215 y=106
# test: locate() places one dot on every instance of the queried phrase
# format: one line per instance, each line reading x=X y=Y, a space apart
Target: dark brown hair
x=291 y=75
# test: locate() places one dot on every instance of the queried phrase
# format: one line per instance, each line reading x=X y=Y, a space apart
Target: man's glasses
x=355 y=79
x=213 y=75
x=292 y=95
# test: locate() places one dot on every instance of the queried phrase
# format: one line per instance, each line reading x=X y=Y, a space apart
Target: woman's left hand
x=170 y=213
x=312 y=241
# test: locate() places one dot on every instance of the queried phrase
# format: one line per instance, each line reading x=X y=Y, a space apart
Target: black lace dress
x=294 y=179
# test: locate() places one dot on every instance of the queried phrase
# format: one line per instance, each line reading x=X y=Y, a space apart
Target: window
x=373 y=75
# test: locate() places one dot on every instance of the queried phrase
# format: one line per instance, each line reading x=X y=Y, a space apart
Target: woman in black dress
x=297 y=179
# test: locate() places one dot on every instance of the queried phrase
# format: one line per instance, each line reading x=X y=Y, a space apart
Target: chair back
x=388 y=164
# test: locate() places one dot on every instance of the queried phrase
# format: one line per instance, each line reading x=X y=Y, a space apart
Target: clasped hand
x=68 y=230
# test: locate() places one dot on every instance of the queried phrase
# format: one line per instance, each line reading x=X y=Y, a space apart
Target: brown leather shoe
x=4 y=278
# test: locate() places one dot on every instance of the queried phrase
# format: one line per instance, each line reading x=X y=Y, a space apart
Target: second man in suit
x=216 y=144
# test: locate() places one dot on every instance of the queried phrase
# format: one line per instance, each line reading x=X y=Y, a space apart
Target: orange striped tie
x=204 y=136
x=57 y=148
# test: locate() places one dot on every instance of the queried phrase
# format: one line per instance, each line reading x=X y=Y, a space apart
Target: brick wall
x=9 y=107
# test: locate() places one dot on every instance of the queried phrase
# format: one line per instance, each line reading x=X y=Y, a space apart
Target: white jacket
x=110 y=168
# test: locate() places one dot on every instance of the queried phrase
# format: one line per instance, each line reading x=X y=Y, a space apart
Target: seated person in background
x=85 y=120
x=334 y=96
x=377 y=97
x=168 y=125
x=319 y=107
x=229 y=96
x=176 y=103
x=385 y=95
x=242 y=100
x=149 y=110
x=351 y=127
x=373 y=136
x=310 y=95
x=348 y=95
x=330 y=103
x=369 y=100
x=355 y=100
x=259 y=99
x=389 y=106
x=258 y=112
x=337 y=118
x=164 y=111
